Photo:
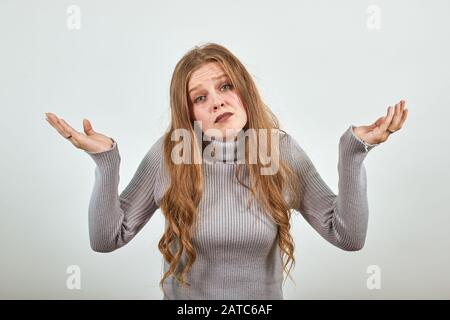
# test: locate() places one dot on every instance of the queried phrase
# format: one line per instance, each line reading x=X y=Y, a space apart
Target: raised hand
x=381 y=129
x=91 y=141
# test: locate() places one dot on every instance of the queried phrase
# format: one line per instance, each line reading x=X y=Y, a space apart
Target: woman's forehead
x=208 y=72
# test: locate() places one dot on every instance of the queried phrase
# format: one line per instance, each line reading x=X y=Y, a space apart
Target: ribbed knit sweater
x=238 y=256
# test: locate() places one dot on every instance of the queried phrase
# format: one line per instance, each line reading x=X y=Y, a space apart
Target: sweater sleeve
x=116 y=219
x=340 y=219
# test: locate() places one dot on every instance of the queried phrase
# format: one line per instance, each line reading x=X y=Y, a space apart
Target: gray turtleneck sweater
x=238 y=256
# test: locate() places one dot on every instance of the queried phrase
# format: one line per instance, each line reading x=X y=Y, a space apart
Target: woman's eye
x=226 y=84
x=196 y=99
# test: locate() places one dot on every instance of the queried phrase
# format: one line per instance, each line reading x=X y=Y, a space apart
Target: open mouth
x=223 y=117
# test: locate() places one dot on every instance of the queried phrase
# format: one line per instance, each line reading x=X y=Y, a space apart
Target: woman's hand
x=91 y=141
x=379 y=131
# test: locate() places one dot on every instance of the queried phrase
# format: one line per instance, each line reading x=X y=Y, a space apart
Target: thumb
x=87 y=127
x=378 y=122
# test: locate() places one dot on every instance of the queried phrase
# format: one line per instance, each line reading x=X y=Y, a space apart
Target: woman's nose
x=216 y=106
x=216 y=101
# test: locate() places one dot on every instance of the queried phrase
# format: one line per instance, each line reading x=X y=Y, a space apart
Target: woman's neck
x=221 y=150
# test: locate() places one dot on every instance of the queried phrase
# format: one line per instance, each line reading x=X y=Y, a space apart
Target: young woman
x=227 y=225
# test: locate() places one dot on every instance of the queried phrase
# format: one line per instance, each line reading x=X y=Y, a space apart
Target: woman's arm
x=340 y=219
x=115 y=219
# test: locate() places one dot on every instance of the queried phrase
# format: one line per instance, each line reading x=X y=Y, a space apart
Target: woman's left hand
x=378 y=132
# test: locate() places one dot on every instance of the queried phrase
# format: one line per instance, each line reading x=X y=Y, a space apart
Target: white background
x=318 y=66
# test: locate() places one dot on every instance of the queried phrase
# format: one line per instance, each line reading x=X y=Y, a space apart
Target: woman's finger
x=397 y=116
x=403 y=105
x=56 y=123
x=398 y=119
x=69 y=130
x=404 y=116
x=379 y=121
x=397 y=110
x=388 y=119
x=87 y=127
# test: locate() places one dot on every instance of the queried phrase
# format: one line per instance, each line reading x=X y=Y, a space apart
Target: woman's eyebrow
x=214 y=78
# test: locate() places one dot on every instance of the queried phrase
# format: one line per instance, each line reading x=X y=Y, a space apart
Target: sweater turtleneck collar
x=218 y=150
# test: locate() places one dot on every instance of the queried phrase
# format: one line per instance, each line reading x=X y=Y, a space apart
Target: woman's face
x=212 y=94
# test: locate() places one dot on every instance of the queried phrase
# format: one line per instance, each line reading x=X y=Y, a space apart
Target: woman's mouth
x=224 y=117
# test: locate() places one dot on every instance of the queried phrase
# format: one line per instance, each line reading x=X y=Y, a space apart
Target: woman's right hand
x=91 y=141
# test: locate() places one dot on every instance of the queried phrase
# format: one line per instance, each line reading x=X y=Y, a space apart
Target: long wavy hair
x=180 y=202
